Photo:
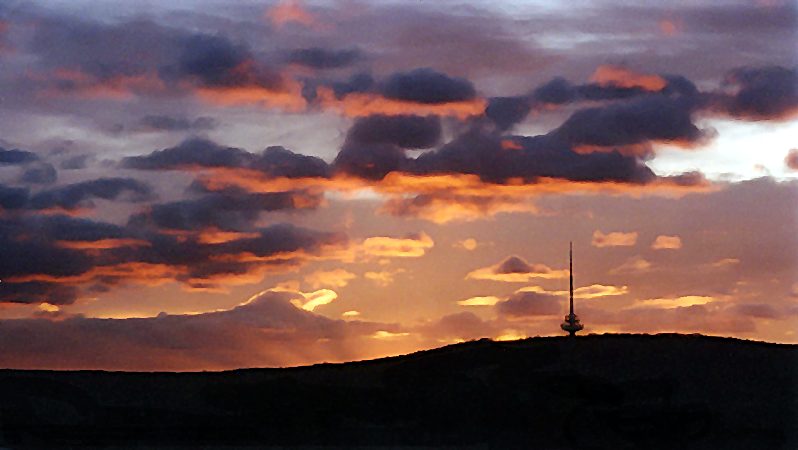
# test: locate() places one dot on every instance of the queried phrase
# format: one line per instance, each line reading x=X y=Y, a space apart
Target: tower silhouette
x=571 y=323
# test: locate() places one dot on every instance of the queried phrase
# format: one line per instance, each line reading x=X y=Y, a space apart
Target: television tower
x=571 y=323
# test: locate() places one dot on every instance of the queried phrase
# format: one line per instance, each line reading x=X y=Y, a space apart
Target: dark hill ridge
x=596 y=391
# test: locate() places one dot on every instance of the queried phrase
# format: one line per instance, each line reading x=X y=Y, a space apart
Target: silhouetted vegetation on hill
x=607 y=391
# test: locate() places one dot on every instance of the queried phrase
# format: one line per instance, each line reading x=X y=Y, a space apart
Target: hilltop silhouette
x=596 y=391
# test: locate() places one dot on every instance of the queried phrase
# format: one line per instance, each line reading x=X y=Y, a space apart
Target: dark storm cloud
x=230 y=209
x=370 y=161
x=529 y=304
x=217 y=62
x=556 y=92
x=404 y=131
x=202 y=153
x=746 y=18
x=529 y=158
x=29 y=250
x=322 y=58
x=103 y=50
x=559 y=91
x=642 y=120
x=193 y=152
x=209 y=265
x=42 y=173
x=16 y=156
x=65 y=228
x=13 y=197
x=763 y=92
x=75 y=195
x=50 y=258
x=359 y=82
x=280 y=162
x=213 y=60
x=139 y=56
x=38 y=292
x=169 y=123
x=508 y=111
x=514 y=264
x=76 y=162
x=422 y=85
x=425 y=85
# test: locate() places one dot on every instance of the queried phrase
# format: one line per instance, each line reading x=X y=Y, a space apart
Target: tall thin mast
x=571 y=275
x=571 y=323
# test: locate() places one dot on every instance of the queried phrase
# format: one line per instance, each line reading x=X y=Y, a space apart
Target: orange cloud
x=366 y=104
x=509 y=144
x=312 y=300
x=479 y=301
x=288 y=97
x=663 y=242
x=469 y=244
x=144 y=273
x=676 y=302
x=217 y=236
x=443 y=198
x=102 y=244
x=383 y=334
x=619 y=76
x=290 y=11
x=725 y=262
x=402 y=184
x=85 y=85
x=614 y=239
x=412 y=246
x=383 y=278
x=583 y=292
x=632 y=265
x=332 y=278
x=443 y=208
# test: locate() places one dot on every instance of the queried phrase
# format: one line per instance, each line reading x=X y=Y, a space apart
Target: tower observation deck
x=571 y=323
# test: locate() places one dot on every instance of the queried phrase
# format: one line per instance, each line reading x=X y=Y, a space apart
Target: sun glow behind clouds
x=740 y=151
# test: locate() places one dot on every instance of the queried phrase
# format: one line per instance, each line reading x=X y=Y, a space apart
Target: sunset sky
x=220 y=184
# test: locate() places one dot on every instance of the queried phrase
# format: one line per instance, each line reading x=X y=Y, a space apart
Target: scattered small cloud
x=515 y=269
x=634 y=264
x=673 y=302
x=725 y=262
x=664 y=242
x=383 y=278
x=614 y=239
x=410 y=246
x=469 y=244
x=382 y=334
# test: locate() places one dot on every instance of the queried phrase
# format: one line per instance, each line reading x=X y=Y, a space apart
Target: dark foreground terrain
x=609 y=391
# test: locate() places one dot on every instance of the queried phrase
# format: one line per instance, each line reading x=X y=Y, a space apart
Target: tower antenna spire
x=571 y=275
x=571 y=323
